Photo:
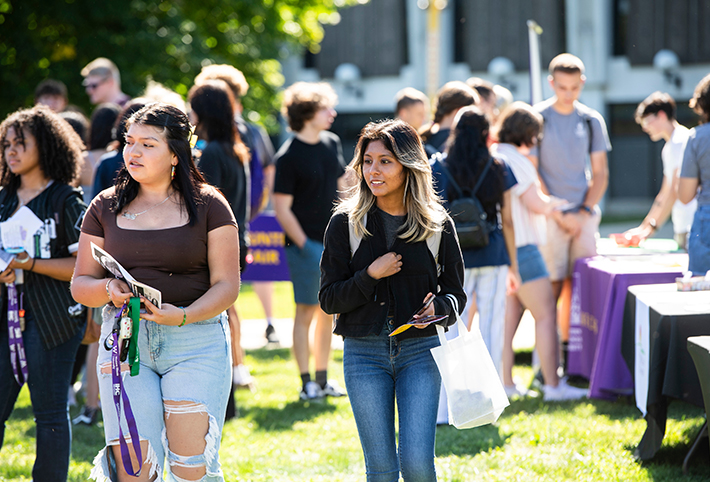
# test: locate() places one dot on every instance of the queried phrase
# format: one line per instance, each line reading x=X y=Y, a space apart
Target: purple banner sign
x=267 y=258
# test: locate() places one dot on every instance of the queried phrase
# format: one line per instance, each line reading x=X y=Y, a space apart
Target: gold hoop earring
x=172 y=173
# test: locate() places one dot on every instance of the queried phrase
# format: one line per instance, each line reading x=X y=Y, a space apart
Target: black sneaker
x=87 y=416
x=271 y=334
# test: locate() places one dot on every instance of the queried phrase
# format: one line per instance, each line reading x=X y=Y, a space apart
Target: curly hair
x=700 y=102
x=175 y=128
x=58 y=145
x=467 y=156
x=212 y=102
x=425 y=214
x=303 y=100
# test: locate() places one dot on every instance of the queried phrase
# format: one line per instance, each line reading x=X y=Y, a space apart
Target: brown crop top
x=172 y=260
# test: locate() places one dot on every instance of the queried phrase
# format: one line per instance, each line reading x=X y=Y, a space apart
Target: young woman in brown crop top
x=172 y=231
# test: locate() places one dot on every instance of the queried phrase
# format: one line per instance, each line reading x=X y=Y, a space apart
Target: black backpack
x=470 y=219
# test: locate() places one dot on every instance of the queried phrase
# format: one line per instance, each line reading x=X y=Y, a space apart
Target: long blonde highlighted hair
x=425 y=214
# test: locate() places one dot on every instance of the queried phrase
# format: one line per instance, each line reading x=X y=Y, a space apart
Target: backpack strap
x=482 y=177
x=450 y=178
x=433 y=242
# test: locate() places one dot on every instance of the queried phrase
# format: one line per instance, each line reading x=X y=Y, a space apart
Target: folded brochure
x=423 y=321
x=114 y=267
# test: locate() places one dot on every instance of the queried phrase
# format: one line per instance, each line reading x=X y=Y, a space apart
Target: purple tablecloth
x=599 y=286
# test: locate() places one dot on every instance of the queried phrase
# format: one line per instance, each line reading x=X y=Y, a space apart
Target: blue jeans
x=49 y=372
x=699 y=242
x=378 y=371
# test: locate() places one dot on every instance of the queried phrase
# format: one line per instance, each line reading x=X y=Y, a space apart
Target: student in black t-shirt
x=309 y=173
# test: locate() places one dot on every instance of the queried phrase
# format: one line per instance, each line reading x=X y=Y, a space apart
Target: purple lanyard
x=118 y=394
x=14 y=330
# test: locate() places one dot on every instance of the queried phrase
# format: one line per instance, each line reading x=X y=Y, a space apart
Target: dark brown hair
x=212 y=101
x=452 y=96
x=655 y=103
x=519 y=124
x=700 y=102
x=566 y=63
x=59 y=146
x=176 y=129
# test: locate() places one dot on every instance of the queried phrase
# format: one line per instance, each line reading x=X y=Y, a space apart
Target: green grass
x=278 y=438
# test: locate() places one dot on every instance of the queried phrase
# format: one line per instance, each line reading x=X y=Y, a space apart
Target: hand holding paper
x=422 y=318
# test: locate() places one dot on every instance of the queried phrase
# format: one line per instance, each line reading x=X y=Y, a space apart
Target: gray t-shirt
x=565 y=147
x=696 y=161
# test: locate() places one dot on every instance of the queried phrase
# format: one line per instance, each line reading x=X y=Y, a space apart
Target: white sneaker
x=516 y=391
x=333 y=389
x=563 y=392
x=312 y=391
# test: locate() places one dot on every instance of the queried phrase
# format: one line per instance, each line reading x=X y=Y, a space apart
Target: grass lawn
x=278 y=438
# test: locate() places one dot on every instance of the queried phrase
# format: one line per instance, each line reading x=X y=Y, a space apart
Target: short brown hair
x=408 y=97
x=566 y=63
x=655 y=103
x=231 y=75
x=700 y=102
x=452 y=96
x=303 y=99
x=519 y=124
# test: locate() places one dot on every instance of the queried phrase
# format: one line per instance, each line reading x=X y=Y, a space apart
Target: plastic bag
x=474 y=390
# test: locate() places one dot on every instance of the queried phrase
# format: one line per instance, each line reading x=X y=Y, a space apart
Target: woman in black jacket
x=393 y=211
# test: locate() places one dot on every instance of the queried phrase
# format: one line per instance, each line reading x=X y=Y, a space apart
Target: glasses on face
x=94 y=85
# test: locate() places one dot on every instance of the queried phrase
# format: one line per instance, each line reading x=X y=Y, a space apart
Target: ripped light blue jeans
x=191 y=364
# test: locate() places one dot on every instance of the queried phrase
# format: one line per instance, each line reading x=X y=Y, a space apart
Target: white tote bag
x=475 y=393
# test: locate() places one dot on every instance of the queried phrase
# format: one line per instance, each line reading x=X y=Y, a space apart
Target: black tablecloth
x=673 y=317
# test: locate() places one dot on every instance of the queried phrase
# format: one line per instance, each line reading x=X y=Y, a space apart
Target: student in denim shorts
x=378 y=288
x=309 y=174
x=172 y=231
x=518 y=130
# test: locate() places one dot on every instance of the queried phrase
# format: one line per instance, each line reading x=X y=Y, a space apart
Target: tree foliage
x=168 y=41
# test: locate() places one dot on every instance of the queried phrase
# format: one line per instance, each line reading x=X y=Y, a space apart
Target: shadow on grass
x=667 y=464
x=472 y=441
x=277 y=419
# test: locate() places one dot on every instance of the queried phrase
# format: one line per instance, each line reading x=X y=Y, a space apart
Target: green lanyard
x=134 y=357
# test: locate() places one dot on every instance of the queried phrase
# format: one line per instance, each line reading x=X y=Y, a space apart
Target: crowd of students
x=369 y=241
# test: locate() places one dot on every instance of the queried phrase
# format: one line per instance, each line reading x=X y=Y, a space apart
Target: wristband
x=585 y=208
x=184 y=317
x=24 y=260
x=652 y=223
x=33 y=264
